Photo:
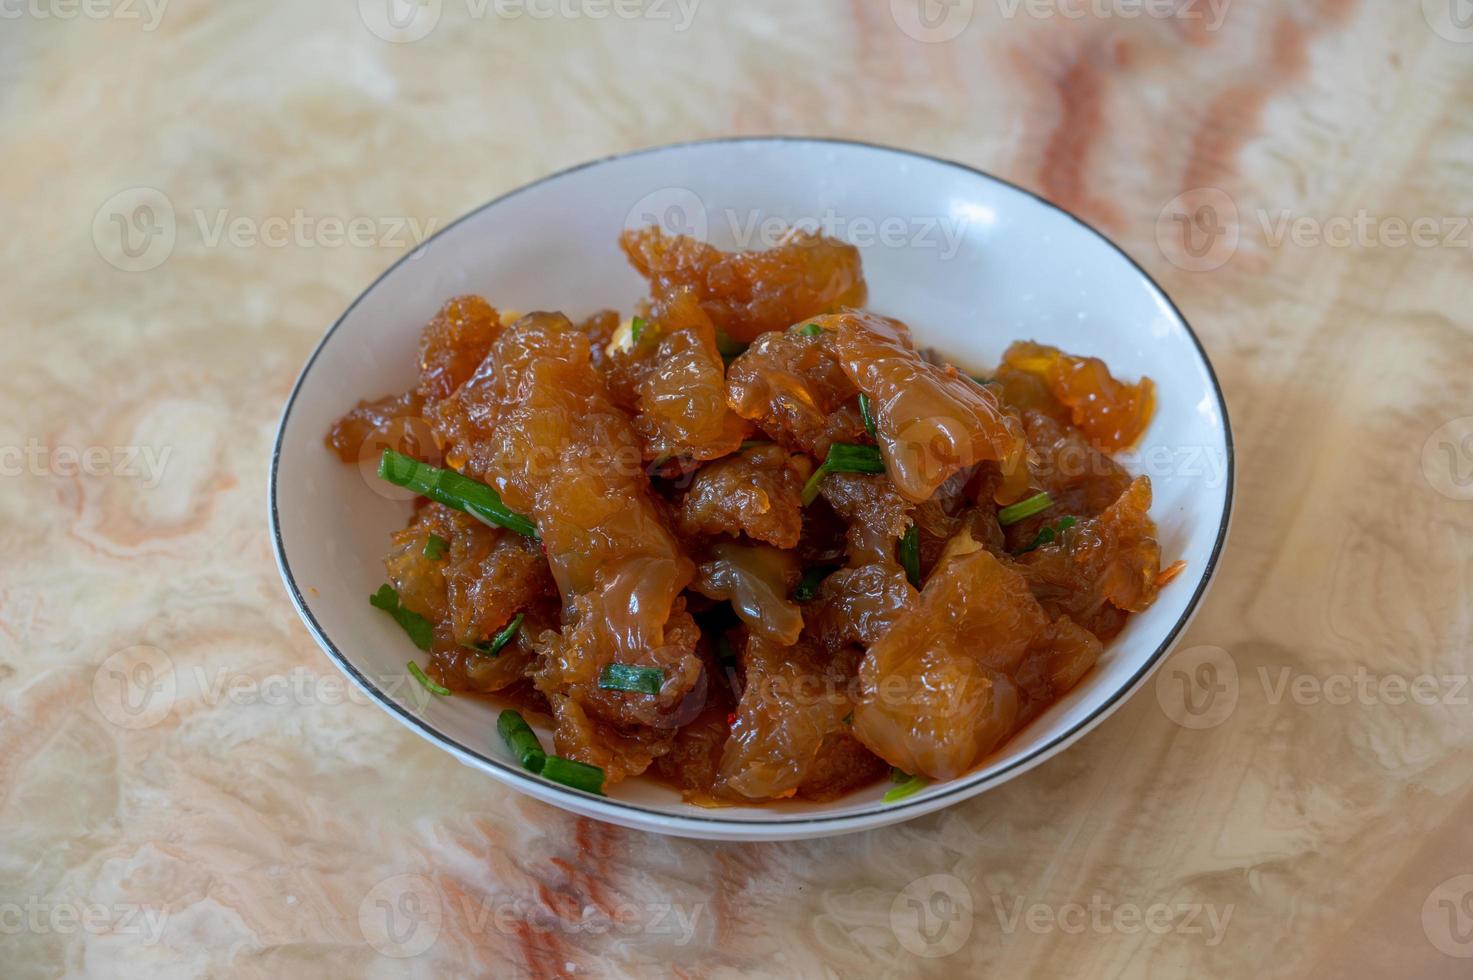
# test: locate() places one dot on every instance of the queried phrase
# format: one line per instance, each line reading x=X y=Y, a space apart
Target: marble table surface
x=192 y=191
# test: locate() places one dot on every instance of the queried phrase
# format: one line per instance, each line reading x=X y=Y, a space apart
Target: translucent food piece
x=937 y=691
x=794 y=388
x=1111 y=413
x=484 y=578
x=931 y=421
x=451 y=347
x=537 y=423
x=791 y=703
x=877 y=514
x=757 y=581
x=749 y=293
x=1101 y=567
x=755 y=492
x=682 y=397
x=858 y=606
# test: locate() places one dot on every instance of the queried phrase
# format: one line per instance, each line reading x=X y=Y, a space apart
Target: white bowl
x=969 y=261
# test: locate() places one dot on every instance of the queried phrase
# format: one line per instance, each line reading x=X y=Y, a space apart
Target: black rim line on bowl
x=427 y=731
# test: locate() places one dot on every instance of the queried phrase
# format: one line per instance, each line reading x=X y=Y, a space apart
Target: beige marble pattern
x=1312 y=822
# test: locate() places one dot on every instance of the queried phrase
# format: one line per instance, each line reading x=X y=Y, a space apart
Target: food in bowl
x=755 y=541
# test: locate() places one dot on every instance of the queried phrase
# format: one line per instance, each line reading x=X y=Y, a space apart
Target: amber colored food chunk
x=792 y=702
x=682 y=398
x=462 y=668
x=694 y=761
x=451 y=347
x=757 y=581
x=749 y=293
x=793 y=387
x=619 y=751
x=859 y=605
x=842 y=765
x=1102 y=566
x=484 y=578
x=931 y=421
x=937 y=691
x=1058 y=659
x=1081 y=480
x=756 y=492
x=1111 y=413
x=876 y=513
x=537 y=423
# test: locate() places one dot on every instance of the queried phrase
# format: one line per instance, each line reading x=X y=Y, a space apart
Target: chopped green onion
x=579 y=775
x=492 y=647
x=755 y=443
x=807 y=587
x=418 y=628
x=809 y=330
x=1048 y=534
x=1024 y=509
x=910 y=555
x=429 y=685
x=637 y=680
x=521 y=740
x=453 y=490
x=436 y=547
x=867 y=413
x=637 y=328
x=905 y=785
x=843 y=457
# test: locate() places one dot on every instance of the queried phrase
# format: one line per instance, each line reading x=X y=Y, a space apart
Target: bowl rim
x=779 y=824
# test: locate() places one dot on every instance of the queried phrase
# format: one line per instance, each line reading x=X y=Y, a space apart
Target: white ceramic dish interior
x=969 y=261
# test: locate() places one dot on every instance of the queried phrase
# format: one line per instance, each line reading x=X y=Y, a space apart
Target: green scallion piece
x=636 y=680
x=910 y=555
x=756 y=443
x=844 y=457
x=1048 y=535
x=809 y=330
x=905 y=785
x=418 y=628
x=521 y=740
x=807 y=587
x=429 y=685
x=1024 y=509
x=492 y=647
x=453 y=490
x=637 y=328
x=436 y=547
x=578 y=775
x=867 y=413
